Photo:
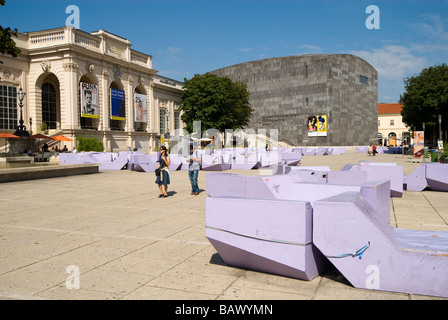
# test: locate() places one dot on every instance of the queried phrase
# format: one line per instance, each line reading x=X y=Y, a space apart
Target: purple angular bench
x=270 y=158
x=362 y=149
x=143 y=163
x=371 y=254
x=321 y=151
x=291 y=158
x=75 y=158
x=266 y=235
x=118 y=164
x=437 y=176
x=347 y=177
x=215 y=162
x=175 y=162
x=392 y=172
x=309 y=152
x=102 y=157
x=317 y=174
x=377 y=194
x=138 y=159
x=416 y=181
x=246 y=161
x=333 y=151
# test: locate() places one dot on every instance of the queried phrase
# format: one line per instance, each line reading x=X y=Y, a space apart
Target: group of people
x=54 y=149
x=372 y=150
x=163 y=180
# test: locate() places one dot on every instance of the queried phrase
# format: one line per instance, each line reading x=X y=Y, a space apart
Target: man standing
x=193 y=170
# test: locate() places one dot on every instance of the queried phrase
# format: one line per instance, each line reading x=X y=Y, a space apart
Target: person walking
x=193 y=170
x=374 y=149
x=164 y=179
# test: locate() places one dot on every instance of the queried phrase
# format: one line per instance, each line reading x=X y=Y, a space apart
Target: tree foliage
x=425 y=98
x=218 y=102
x=7 y=44
x=89 y=144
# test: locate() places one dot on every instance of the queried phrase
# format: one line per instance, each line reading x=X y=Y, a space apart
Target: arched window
x=49 y=108
x=392 y=139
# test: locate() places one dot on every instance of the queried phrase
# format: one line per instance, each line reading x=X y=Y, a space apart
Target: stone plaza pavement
x=129 y=244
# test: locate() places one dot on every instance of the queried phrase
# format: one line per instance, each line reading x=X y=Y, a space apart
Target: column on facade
x=171 y=117
x=130 y=105
x=149 y=113
x=69 y=94
x=150 y=126
x=104 y=110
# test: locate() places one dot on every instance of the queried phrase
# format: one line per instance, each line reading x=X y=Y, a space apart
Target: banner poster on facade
x=317 y=126
x=322 y=126
x=118 y=104
x=89 y=101
x=312 y=126
x=140 y=108
x=419 y=145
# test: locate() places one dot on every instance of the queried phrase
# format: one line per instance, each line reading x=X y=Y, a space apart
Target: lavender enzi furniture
x=294 y=224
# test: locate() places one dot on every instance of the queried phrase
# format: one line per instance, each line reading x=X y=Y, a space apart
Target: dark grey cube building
x=287 y=91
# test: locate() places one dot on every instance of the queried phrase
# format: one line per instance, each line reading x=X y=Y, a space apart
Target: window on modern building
x=8 y=108
x=49 y=115
x=363 y=79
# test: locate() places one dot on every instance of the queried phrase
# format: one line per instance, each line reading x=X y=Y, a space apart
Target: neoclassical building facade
x=88 y=84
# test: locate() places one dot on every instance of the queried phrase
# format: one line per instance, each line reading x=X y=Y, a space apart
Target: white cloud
x=246 y=49
x=174 y=50
x=433 y=27
x=309 y=49
x=393 y=62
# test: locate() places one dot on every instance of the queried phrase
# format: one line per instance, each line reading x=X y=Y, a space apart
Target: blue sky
x=188 y=37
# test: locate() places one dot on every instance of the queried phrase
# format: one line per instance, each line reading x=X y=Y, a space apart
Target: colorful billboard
x=89 y=101
x=317 y=126
x=419 y=145
x=140 y=108
x=322 y=126
x=118 y=104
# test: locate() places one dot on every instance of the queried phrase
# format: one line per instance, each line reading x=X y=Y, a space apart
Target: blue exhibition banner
x=118 y=104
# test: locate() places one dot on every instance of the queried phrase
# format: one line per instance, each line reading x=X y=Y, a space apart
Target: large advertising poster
x=312 y=126
x=322 y=126
x=118 y=104
x=317 y=126
x=140 y=108
x=419 y=145
x=89 y=101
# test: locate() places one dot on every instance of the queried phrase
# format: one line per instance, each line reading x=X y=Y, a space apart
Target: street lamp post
x=21 y=129
x=167 y=131
x=440 y=142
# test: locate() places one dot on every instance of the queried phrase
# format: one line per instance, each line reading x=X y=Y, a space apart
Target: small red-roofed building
x=391 y=128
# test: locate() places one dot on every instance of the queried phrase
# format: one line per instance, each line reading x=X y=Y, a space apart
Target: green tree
x=7 y=44
x=89 y=144
x=218 y=102
x=425 y=98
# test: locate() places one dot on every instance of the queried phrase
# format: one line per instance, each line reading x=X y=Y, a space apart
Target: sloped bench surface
x=265 y=235
x=396 y=260
x=296 y=187
x=437 y=176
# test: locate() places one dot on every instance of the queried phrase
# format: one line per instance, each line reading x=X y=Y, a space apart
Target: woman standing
x=164 y=179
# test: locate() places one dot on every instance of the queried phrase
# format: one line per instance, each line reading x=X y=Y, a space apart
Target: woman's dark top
x=164 y=177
